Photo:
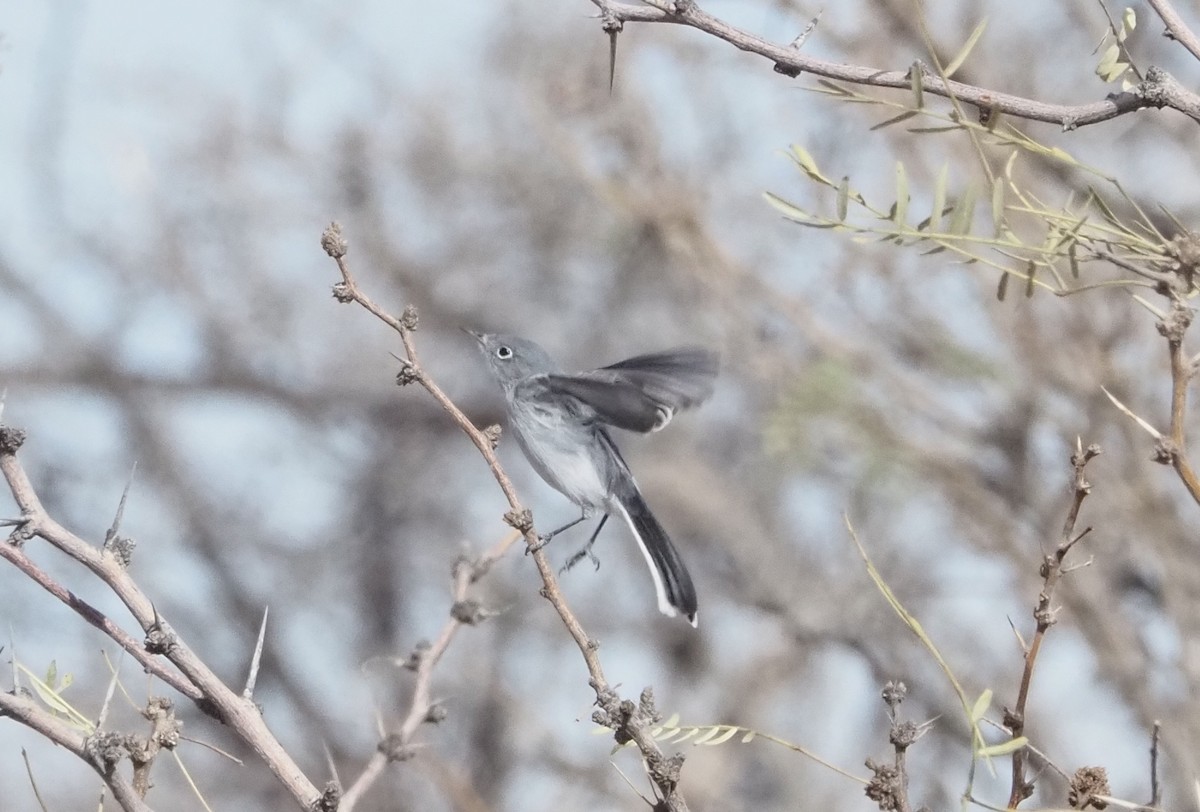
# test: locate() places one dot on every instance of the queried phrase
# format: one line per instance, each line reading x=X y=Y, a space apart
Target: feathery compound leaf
x=958 y=60
x=724 y=737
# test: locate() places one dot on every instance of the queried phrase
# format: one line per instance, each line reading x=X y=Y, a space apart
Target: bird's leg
x=587 y=549
x=545 y=539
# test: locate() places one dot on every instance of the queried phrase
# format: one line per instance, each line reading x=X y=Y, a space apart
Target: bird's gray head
x=511 y=358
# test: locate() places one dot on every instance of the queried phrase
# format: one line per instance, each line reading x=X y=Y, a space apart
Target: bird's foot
x=586 y=552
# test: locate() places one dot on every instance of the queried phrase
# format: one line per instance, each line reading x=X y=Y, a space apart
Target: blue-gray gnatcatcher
x=560 y=423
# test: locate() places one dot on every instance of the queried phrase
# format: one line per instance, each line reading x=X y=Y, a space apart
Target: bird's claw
x=586 y=552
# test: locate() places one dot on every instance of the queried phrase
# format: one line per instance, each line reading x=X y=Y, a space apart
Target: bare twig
x=1177 y=29
x=1174 y=449
x=1044 y=614
x=889 y=786
x=215 y=698
x=27 y=712
x=397 y=745
x=1158 y=89
x=108 y=696
x=16 y=556
x=630 y=722
x=1155 y=790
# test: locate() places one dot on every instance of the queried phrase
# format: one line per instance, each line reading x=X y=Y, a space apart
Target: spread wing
x=643 y=393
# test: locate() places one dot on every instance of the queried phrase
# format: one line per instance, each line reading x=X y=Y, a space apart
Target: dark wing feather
x=643 y=393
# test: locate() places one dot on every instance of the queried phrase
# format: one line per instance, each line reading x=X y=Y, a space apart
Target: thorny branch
x=889 y=786
x=1045 y=613
x=630 y=722
x=1158 y=89
x=397 y=745
x=1178 y=283
x=58 y=730
x=109 y=564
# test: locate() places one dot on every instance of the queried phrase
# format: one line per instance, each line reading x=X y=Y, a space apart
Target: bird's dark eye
x=503 y=353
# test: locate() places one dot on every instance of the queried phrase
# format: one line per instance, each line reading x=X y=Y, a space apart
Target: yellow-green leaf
x=998 y=206
x=939 y=198
x=1008 y=165
x=1128 y=23
x=843 y=198
x=961 y=57
x=964 y=211
x=808 y=165
x=907 y=114
x=713 y=741
x=1004 y=748
x=981 y=705
x=786 y=209
x=1112 y=66
x=916 y=78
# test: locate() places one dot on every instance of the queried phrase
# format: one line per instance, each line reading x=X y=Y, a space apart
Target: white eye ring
x=503 y=353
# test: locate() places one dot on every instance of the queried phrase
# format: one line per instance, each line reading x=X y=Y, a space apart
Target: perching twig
x=630 y=723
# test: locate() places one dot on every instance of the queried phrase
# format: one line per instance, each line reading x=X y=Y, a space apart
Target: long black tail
x=672 y=583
